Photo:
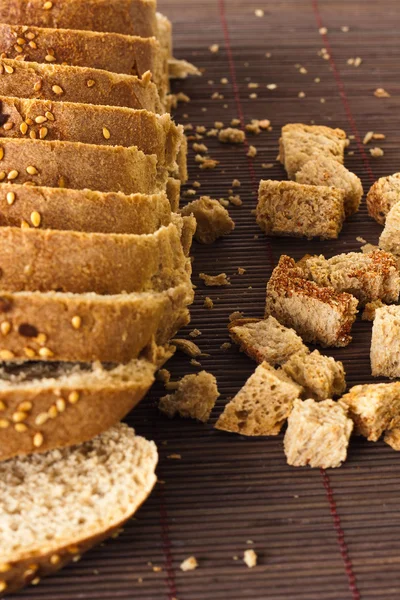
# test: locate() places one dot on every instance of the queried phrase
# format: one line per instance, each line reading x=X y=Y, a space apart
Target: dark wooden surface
x=226 y=489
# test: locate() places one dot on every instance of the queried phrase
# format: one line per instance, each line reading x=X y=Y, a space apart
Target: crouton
x=195 y=397
x=368 y=277
x=392 y=438
x=318 y=434
x=322 y=377
x=389 y=239
x=374 y=408
x=384 y=194
x=288 y=208
x=299 y=143
x=266 y=340
x=385 y=342
x=319 y=314
x=262 y=405
x=213 y=220
x=324 y=170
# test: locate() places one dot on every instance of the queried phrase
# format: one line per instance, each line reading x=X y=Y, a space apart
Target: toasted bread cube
x=392 y=438
x=389 y=239
x=213 y=220
x=299 y=143
x=262 y=405
x=266 y=340
x=288 y=208
x=324 y=170
x=321 y=376
x=368 y=277
x=319 y=314
x=384 y=194
x=195 y=397
x=374 y=408
x=385 y=342
x=318 y=434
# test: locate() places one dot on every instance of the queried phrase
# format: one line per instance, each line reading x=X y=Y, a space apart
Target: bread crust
x=101 y=168
x=112 y=328
x=84 y=210
x=35 y=80
x=101 y=125
x=104 y=263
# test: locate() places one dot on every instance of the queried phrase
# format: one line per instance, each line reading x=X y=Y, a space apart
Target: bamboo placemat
x=319 y=536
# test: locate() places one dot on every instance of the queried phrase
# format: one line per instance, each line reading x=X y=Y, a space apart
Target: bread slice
x=368 y=277
x=63 y=404
x=131 y=55
x=385 y=342
x=101 y=168
x=384 y=194
x=60 y=326
x=266 y=339
x=294 y=209
x=389 y=237
x=77 y=84
x=318 y=434
x=83 y=210
x=322 y=377
x=262 y=405
x=325 y=170
x=300 y=142
x=194 y=397
x=319 y=314
x=72 y=499
x=102 y=125
x=130 y=17
x=213 y=220
x=374 y=408
x=104 y=263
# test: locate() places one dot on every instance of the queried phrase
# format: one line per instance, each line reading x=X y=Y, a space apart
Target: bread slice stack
x=94 y=267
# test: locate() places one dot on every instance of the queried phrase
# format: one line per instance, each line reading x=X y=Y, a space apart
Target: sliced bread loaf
x=101 y=168
x=53 y=405
x=69 y=499
x=113 y=52
x=130 y=17
x=83 y=210
x=104 y=263
x=88 y=327
x=77 y=84
x=94 y=124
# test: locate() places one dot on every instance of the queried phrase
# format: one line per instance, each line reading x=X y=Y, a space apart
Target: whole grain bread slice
x=63 y=404
x=104 y=263
x=113 y=52
x=101 y=168
x=77 y=84
x=83 y=210
x=87 y=327
x=94 y=124
x=72 y=499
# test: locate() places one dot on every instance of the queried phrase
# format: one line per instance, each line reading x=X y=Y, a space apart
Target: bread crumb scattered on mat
x=250 y=558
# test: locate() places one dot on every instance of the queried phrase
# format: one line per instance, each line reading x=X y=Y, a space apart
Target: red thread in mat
x=342 y=93
x=344 y=551
x=166 y=545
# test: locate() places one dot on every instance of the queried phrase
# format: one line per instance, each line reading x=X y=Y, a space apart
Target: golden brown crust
x=111 y=328
x=84 y=210
x=102 y=125
x=75 y=84
x=102 y=168
x=41 y=260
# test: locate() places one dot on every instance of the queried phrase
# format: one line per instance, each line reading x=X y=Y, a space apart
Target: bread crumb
x=195 y=397
x=174 y=456
x=267 y=165
x=163 y=375
x=235 y=200
x=361 y=240
x=186 y=346
x=195 y=363
x=218 y=124
x=209 y=163
x=345 y=28
x=212 y=133
x=241 y=271
x=323 y=30
x=235 y=557
x=236 y=183
x=250 y=558
x=200 y=129
x=224 y=202
x=225 y=346
x=200 y=148
x=237 y=314
x=208 y=303
x=215 y=280
x=231 y=136
x=271 y=86
x=189 y=564
x=368 y=137
x=181 y=97
x=303 y=70
x=252 y=152
x=381 y=93
x=253 y=96
x=379 y=136
x=214 y=48
x=301 y=95
x=157 y=569
x=259 y=12
x=376 y=152
x=195 y=333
